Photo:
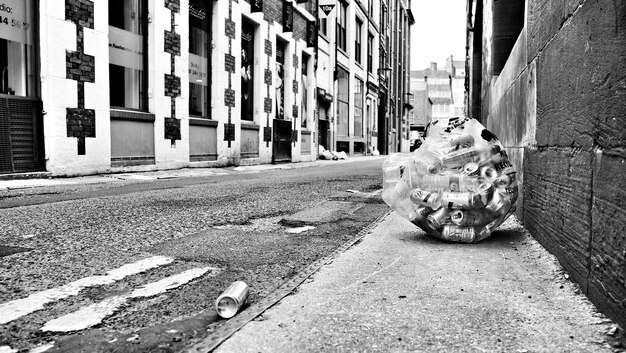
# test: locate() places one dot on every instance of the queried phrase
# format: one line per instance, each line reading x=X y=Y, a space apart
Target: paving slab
x=401 y=291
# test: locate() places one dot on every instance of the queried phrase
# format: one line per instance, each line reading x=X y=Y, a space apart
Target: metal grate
x=21 y=135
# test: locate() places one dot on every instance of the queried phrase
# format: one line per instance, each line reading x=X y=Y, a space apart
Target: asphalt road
x=195 y=236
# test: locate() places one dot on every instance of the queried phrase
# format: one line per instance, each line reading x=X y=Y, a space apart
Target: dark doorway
x=323 y=134
x=282 y=141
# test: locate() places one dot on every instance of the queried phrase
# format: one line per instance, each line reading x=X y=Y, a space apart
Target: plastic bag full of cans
x=459 y=185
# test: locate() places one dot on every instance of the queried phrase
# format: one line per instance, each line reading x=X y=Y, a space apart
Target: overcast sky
x=438 y=32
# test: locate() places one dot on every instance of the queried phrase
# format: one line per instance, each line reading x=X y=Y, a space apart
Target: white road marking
x=15 y=309
x=7 y=349
x=94 y=314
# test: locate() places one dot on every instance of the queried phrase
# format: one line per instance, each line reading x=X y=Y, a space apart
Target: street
x=87 y=264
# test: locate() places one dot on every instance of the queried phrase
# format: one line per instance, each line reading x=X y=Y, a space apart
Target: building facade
x=439 y=90
x=422 y=112
x=104 y=86
x=548 y=79
x=396 y=19
x=456 y=68
x=347 y=80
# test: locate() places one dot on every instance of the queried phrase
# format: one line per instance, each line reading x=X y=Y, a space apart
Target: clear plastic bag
x=459 y=185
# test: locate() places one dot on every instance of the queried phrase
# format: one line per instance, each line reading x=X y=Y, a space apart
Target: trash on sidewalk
x=326 y=154
x=232 y=299
x=459 y=185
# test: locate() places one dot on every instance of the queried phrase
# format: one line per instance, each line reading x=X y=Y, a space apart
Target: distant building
x=456 y=69
x=422 y=112
x=439 y=90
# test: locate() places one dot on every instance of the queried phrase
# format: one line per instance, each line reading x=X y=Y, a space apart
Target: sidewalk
x=43 y=179
x=400 y=291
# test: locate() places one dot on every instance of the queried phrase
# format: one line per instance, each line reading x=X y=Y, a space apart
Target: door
x=282 y=141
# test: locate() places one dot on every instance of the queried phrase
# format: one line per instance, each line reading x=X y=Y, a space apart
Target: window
x=247 y=70
x=17 y=57
x=370 y=53
x=304 y=95
x=342 y=25
x=343 y=94
x=127 y=59
x=323 y=23
x=199 y=58
x=357 y=40
x=281 y=46
x=358 y=108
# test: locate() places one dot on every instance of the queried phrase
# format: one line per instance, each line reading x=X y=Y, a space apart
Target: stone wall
x=558 y=106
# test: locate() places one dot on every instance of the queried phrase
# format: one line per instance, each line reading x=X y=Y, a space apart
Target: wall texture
x=575 y=189
x=559 y=108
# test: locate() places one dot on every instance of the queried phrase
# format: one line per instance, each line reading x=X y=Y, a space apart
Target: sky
x=438 y=32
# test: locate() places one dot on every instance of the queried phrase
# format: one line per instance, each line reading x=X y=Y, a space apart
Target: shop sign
x=197 y=69
x=311 y=34
x=125 y=48
x=16 y=21
x=287 y=16
x=257 y=5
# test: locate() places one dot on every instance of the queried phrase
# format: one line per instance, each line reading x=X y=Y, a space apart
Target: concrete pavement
x=401 y=291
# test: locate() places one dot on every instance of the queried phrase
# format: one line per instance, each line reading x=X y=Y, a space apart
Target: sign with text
x=326 y=7
x=125 y=48
x=287 y=16
x=256 y=5
x=197 y=69
x=311 y=34
x=16 y=19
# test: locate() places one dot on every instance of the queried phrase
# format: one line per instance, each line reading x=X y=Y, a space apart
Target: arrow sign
x=327 y=9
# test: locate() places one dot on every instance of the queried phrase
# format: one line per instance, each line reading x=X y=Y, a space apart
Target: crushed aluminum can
x=436 y=219
x=470 y=218
x=423 y=197
x=485 y=192
x=488 y=173
x=461 y=234
x=461 y=200
x=499 y=205
x=232 y=299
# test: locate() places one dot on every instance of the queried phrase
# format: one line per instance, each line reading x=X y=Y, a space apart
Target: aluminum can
x=485 y=192
x=488 y=173
x=499 y=205
x=461 y=234
x=232 y=299
x=437 y=219
x=423 y=197
x=421 y=216
x=468 y=218
x=470 y=169
x=460 y=200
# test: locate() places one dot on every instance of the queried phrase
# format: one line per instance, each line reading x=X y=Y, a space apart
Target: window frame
x=342 y=24
x=209 y=53
x=358 y=54
x=144 y=82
